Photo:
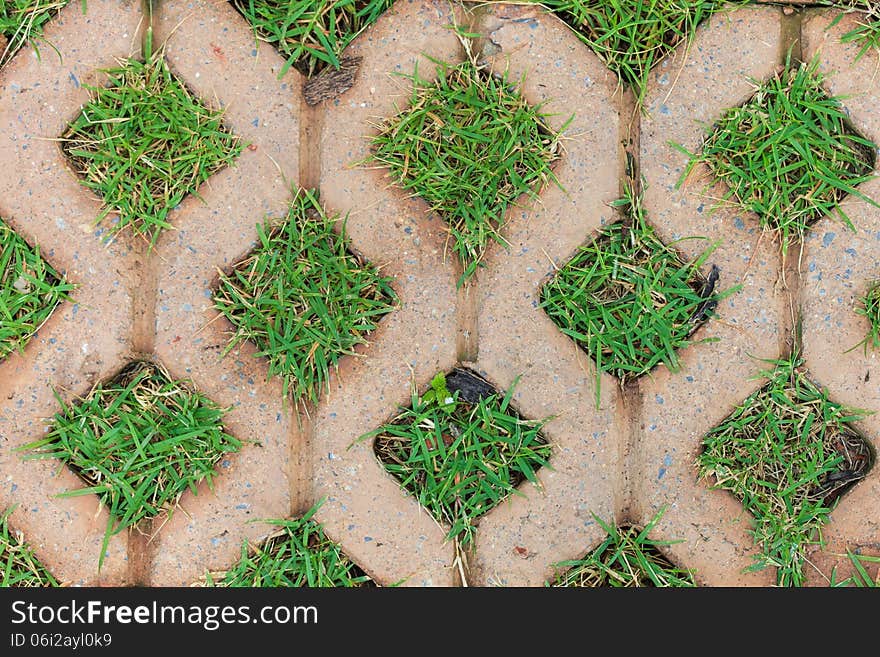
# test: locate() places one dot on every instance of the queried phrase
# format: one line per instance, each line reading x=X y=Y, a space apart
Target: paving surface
x=625 y=459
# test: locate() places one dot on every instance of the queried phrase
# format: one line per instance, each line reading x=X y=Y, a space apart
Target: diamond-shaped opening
x=632 y=36
x=30 y=289
x=310 y=34
x=297 y=553
x=22 y=22
x=629 y=300
x=788 y=453
x=471 y=146
x=138 y=441
x=789 y=154
x=626 y=557
x=303 y=297
x=461 y=448
x=18 y=565
x=145 y=142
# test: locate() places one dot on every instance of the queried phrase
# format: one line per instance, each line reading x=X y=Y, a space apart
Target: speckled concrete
x=622 y=460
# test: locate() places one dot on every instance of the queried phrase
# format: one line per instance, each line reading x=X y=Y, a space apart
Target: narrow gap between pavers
x=311 y=35
x=472 y=147
x=626 y=557
x=30 y=290
x=144 y=142
x=19 y=566
x=788 y=454
x=303 y=297
x=461 y=448
x=138 y=441
x=789 y=154
x=629 y=300
x=22 y=22
x=297 y=553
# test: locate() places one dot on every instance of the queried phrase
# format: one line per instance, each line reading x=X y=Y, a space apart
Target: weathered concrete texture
x=837 y=267
x=518 y=542
x=87 y=339
x=380 y=526
x=213 y=51
x=686 y=93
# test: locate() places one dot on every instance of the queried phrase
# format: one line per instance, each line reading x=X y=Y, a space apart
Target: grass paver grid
x=297 y=553
x=698 y=288
x=310 y=34
x=626 y=557
x=789 y=154
x=470 y=145
x=628 y=299
x=18 y=565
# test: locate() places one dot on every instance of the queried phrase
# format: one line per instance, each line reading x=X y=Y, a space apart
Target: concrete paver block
x=686 y=93
x=378 y=525
x=213 y=50
x=837 y=267
x=519 y=541
x=87 y=339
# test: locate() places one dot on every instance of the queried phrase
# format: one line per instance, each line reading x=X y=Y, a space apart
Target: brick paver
x=623 y=460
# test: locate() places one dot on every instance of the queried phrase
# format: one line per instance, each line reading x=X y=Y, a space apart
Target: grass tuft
x=867 y=33
x=18 y=564
x=789 y=154
x=869 y=307
x=787 y=453
x=297 y=554
x=138 y=442
x=860 y=577
x=30 y=289
x=311 y=34
x=628 y=299
x=470 y=145
x=22 y=22
x=144 y=142
x=632 y=36
x=303 y=298
x=625 y=558
x=461 y=450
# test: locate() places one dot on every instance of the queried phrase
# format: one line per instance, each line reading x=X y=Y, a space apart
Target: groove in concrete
x=300 y=474
x=144 y=295
x=629 y=411
x=467 y=342
x=790 y=281
x=140 y=553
